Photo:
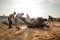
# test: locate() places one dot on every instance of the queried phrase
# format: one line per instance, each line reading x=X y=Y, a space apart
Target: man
x=9 y=19
x=17 y=19
x=50 y=20
x=28 y=17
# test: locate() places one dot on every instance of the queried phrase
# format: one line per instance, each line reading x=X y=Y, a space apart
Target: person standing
x=18 y=17
x=9 y=19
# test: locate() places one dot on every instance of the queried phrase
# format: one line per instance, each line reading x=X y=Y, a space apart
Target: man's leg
x=10 y=23
x=17 y=24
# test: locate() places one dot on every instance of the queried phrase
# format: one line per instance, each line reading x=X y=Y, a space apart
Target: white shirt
x=18 y=16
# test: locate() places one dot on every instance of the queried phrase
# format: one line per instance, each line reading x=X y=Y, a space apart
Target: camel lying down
x=39 y=23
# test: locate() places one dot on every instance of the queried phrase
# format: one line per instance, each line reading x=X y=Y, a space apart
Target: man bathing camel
x=9 y=19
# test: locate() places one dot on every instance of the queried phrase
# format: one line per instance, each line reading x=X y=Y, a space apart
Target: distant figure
x=9 y=19
x=17 y=18
x=50 y=17
x=28 y=17
x=50 y=20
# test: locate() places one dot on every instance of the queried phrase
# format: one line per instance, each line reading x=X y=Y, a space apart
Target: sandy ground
x=53 y=33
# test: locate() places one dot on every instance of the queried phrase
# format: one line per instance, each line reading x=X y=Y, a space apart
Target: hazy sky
x=34 y=8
